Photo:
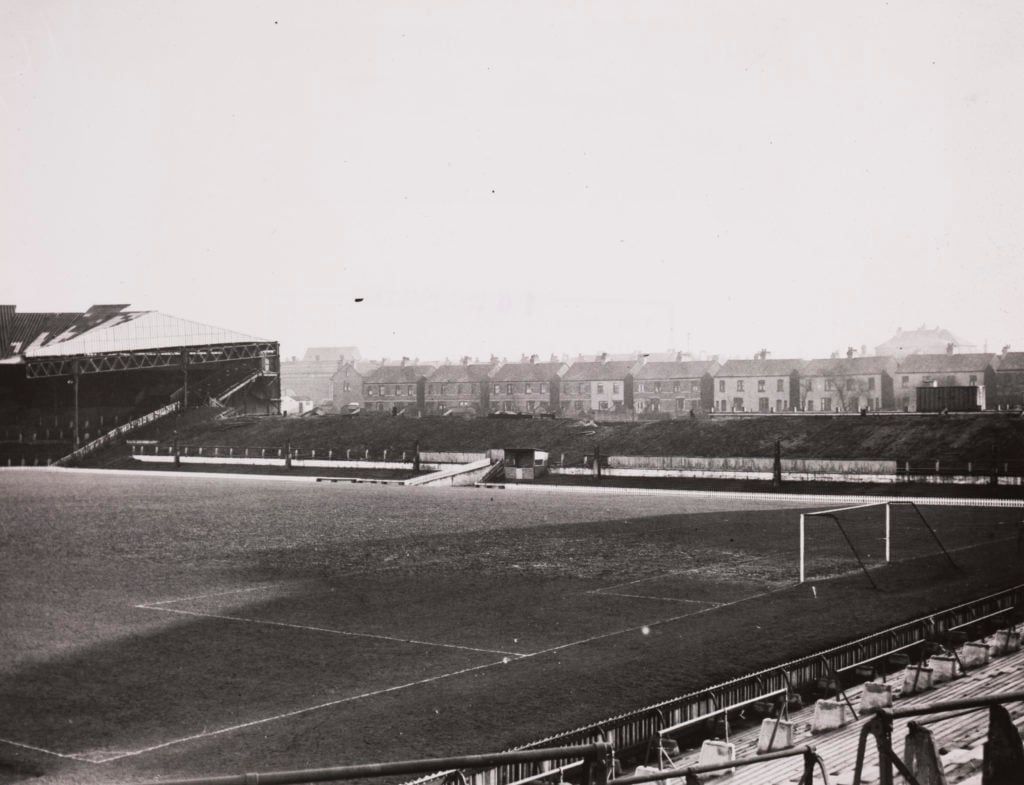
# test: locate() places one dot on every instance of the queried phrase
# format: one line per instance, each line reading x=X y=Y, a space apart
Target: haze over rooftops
x=945 y=363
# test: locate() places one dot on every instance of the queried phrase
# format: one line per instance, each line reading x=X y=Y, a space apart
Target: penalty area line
x=54 y=753
x=328 y=630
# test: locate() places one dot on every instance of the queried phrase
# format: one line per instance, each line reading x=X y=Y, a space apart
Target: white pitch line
x=44 y=750
x=295 y=713
x=205 y=596
x=604 y=593
x=327 y=630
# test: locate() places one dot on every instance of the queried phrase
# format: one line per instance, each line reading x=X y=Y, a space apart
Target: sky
x=441 y=179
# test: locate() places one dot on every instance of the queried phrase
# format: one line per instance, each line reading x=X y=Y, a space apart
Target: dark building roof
x=469 y=372
x=528 y=372
x=747 y=368
x=848 y=366
x=600 y=371
x=1012 y=362
x=693 y=369
x=398 y=374
x=945 y=363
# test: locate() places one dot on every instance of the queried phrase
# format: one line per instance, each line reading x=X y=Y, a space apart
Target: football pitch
x=164 y=625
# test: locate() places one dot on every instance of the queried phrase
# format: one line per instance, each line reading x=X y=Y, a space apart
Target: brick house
x=347 y=384
x=598 y=386
x=944 y=370
x=527 y=387
x=1009 y=392
x=675 y=387
x=396 y=388
x=848 y=384
x=759 y=385
x=463 y=388
x=313 y=375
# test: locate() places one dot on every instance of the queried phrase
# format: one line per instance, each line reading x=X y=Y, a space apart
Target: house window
x=603 y=404
x=640 y=387
x=810 y=405
x=737 y=404
x=615 y=388
x=760 y=385
x=346 y=387
x=676 y=386
x=780 y=385
x=600 y=388
x=529 y=388
x=826 y=404
x=854 y=404
x=543 y=388
x=721 y=386
x=531 y=406
x=680 y=404
x=778 y=405
x=657 y=387
x=507 y=405
x=972 y=380
x=906 y=381
x=694 y=386
x=828 y=384
x=577 y=405
x=509 y=388
x=369 y=389
x=739 y=385
x=871 y=382
x=763 y=405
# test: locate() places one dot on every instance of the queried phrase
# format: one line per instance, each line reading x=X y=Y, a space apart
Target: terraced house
x=674 y=388
x=848 y=384
x=396 y=388
x=598 y=386
x=945 y=370
x=1010 y=381
x=463 y=388
x=528 y=387
x=759 y=385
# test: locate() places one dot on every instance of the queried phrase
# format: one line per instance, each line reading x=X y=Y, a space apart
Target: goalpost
x=833 y=514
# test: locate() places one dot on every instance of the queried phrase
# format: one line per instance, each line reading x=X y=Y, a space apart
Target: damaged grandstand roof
x=103 y=329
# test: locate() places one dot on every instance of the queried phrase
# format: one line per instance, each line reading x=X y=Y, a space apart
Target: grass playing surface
x=166 y=625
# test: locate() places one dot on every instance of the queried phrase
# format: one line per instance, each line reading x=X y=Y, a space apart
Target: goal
x=839 y=514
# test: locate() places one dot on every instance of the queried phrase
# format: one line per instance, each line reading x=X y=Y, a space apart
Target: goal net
x=862 y=536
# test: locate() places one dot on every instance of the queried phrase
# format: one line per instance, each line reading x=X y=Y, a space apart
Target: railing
x=596 y=758
x=1004 y=754
x=691 y=773
x=635 y=729
x=110 y=436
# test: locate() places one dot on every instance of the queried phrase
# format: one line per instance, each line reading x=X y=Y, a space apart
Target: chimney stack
x=849 y=352
x=949 y=348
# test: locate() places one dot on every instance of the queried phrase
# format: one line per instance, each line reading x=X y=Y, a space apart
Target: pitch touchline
x=326 y=629
x=45 y=751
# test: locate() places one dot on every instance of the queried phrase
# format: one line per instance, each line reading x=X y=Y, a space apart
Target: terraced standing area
x=172 y=625
x=951 y=439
